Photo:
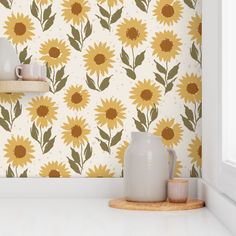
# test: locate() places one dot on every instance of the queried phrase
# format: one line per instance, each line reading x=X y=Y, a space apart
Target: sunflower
x=54 y=52
x=170 y=132
x=19 y=151
x=110 y=113
x=111 y=3
x=195 y=27
x=75 y=10
x=145 y=94
x=195 y=151
x=43 y=2
x=168 y=11
x=54 y=169
x=75 y=131
x=190 y=88
x=43 y=111
x=166 y=45
x=19 y=28
x=99 y=58
x=178 y=169
x=76 y=97
x=99 y=172
x=132 y=32
x=10 y=97
x=121 y=152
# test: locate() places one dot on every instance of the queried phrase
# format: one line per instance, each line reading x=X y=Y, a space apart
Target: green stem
x=41 y=138
x=133 y=67
x=16 y=172
x=148 y=3
x=81 y=159
x=148 y=122
x=41 y=16
x=109 y=142
x=200 y=49
x=195 y=115
x=82 y=36
x=11 y=116
x=166 y=74
x=98 y=83
x=109 y=19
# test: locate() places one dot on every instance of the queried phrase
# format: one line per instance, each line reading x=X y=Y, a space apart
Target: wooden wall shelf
x=20 y=86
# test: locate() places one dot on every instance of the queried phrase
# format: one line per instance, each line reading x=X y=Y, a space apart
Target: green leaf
x=116 y=139
x=24 y=174
x=200 y=110
x=103 y=11
x=75 y=34
x=189 y=114
x=160 y=68
x=187 y=123
x=173 y=72
x=124 y=57
x=34 y=132
x=17 y=109
x=141 y=117
x=194 y=52
x=116 y=16
x=74 y=166
x=105 y=83
x=193 y=172
x=28 y=60
x=48 y=71
x=75 y=155
x=47 y=135
x=139 y=59
x=49 y=23
x=104 y=23
x=189 y=3
x=153 y=113
x=88 y=152
x=9 y=172
x=23 y=55
x=103 y=134
x=60 y=73
x=90 y=83
x=5 y=3
x=169 y=87
x=61 y=84
x=141 y=5
x=104 y=146
x=5 y=114
x=159 y=79
x=130 y=73
x=88 y=29
x=74 y=43
x=34 y=10
x=49 y=145
x=4 y=124
x=139 y=126
x=47 y=12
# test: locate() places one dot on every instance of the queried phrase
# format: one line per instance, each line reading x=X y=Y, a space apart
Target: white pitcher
x=8 y=60
x=147 y=168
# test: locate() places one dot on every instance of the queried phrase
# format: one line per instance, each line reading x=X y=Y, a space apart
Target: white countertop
x=93 y=217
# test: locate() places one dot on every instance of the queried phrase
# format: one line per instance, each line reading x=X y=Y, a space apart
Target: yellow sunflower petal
x=170 y=132
x=121 y=152
x=178 y=169
x=111 y=3
x=195 y=28
x=19 y=151
x=111 y=113
x=99 y=172
x=54 y=169
x=43 y=2
x=195 y=151
x=10 y=97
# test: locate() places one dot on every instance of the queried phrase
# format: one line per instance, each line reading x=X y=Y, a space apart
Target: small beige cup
x=178 y=190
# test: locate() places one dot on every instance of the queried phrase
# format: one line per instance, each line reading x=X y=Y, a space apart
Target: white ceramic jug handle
x=172 y=163
x=19 y=68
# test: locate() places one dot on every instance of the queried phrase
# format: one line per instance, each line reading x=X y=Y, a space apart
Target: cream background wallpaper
x=92 y=155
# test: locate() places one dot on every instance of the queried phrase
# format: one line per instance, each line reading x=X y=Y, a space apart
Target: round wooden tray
x=156 y=206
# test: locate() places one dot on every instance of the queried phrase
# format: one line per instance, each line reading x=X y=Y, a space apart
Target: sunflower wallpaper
x=114 y=66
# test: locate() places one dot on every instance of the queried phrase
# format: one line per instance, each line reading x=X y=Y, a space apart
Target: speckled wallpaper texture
x=114 y=66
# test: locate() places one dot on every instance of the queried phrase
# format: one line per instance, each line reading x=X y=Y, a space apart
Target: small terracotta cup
x=177 y=190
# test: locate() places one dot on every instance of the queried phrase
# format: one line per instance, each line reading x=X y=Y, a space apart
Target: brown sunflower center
x=192 y=88
x=99 y=59
x=19 y=29
x=199 y=151
x=76 y=131
x=168 y=11
x=54 y=52
x=168 y=133
x=54 y=174
x=19 y=151
x=146 y=95
x=42 y=111
x=200 y=29
x=76 y=8
x=166 y=45
x=132 y=33
x=111 y=114
x=76 y=98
